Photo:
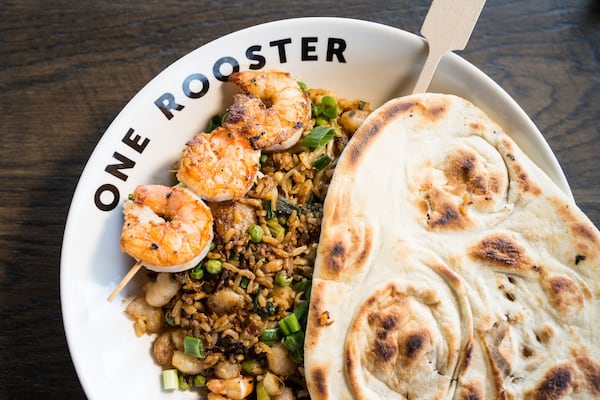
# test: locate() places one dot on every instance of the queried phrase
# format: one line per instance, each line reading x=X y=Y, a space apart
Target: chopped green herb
x=303 y=86
x=130 y=197
x=244 y=282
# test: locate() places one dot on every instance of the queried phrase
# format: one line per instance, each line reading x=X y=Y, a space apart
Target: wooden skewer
x=447 y=26
x=136 y=267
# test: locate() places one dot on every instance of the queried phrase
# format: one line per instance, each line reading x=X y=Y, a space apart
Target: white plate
x=357 y=59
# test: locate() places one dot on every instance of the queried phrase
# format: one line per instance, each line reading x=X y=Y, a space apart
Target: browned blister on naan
x=450 y=267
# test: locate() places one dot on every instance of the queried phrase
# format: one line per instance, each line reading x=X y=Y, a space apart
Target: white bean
x=161 y=291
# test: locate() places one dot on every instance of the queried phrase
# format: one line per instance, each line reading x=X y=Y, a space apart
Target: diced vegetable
x=213 y=266
x=256 y=233
x=318 y=137
x=321 y=162
x=170 y=379
x=193 y=346
x=289 y=324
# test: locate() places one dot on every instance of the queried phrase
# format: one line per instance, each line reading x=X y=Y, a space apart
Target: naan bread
x=450 y=266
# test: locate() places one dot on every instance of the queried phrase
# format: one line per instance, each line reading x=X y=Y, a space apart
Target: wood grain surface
x=68 y=67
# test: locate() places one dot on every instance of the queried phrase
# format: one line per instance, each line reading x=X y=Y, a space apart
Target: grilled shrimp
x=166 y=228
x=235 y=388
x=219 y=166
x=272 y=110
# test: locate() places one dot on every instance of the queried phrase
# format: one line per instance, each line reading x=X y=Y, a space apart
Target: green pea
x=213 y=266
x=256 y=233
x=282 y=279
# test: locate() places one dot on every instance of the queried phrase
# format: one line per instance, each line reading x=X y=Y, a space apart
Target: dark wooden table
x=68 y=67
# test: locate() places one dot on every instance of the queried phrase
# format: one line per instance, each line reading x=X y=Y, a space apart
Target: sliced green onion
x=303 y=286
x=330 y=110
x=130 y=197
x=316 y=109
x=261 y=392
x=192 y=346
x=276 y=230
x=264 y=158
x=244 y=282
x=170 y=379
x=268 y=207
x=251 y=367
x=282 y=279
x=295 y=345
x=301 y=312
x=256 y=233
x=321 y=122
x=303 y=86
x=211 y=246
x=289 y=324
x=294 y=341
x=318 y=137
x=199 y=381
x=297 y=356
x=271 y=335
x=169 y=318
x=213 y=266
x=321 y=162
x=197 y=272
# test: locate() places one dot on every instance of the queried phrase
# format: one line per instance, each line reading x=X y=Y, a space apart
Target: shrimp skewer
x=272 y=110
x=166 y=229
x=219 y=166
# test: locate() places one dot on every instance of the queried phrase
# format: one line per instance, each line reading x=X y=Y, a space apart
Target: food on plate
x=166 y=228
x=220 y=165
x=232 y=326
x=272 y=110
x=450 y=266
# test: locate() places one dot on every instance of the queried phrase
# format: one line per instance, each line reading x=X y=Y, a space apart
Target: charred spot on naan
x=395 y=340
x=504 y=253
x=590 y=371
x=319 y=385
x=470 y=391
x=517 y=170
x=346 y=250
x=555 y=384
x=565 y=294
x=465 y=169
x=443 y=213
